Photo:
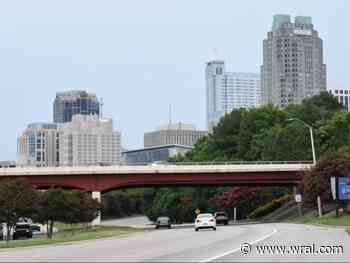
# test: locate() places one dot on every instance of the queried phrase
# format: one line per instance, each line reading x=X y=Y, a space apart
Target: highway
x=187 y=245
x=131 y=221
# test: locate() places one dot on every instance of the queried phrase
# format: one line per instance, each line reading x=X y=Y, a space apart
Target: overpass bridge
x=106 y=178
x=100 y=179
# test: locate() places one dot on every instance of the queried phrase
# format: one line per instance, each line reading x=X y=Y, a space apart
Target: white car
x=205 y=221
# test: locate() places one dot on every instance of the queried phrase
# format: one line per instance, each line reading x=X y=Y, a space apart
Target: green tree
x=335 y=133
x=89 y=208
x=66 y=206
x=81 y=207
x=17 y=199
x=315 y=110
x=52 y=206
x=284 y=143
x=126 y=202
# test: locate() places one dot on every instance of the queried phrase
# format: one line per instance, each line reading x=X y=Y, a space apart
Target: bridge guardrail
x=184 y=163
x=223 y=163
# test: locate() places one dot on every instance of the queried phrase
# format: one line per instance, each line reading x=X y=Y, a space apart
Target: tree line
x=127 y=202
x=19 y=200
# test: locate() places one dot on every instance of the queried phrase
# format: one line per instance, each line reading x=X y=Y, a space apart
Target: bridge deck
x=153 y=169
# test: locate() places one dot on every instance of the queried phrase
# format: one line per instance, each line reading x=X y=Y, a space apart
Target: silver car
x=163 y=221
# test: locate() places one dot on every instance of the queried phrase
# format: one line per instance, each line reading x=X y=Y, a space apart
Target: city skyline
x=46 y=50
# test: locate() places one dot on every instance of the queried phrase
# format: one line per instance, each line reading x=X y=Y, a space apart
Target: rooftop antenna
x=214 y=54
x=101 y=108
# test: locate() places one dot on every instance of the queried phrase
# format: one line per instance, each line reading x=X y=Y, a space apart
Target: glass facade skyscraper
x=226 y=91
x=38 y=145
x=69 y=103
x=153 y=154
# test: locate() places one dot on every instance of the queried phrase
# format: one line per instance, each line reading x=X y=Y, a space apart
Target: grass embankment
x=328 y=219
x=68 y=233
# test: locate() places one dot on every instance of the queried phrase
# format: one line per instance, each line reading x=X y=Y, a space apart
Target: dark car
x=1 y=232
x=36 y=229
x=221 y=218
x=22 y=230
x=163 y=221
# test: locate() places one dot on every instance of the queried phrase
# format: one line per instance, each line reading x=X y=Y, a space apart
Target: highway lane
x=300 y=237
x=133 y=221
x=188 y=245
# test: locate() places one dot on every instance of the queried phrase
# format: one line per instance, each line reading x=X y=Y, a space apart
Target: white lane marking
x=237 y=249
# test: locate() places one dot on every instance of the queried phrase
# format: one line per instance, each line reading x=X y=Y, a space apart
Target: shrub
x=316 y=182
x=270 y=207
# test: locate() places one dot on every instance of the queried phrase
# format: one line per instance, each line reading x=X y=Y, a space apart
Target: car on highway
x=221 y=218
x=163 y=221
x=22 y=230
x=205 y=221
x=36 y=229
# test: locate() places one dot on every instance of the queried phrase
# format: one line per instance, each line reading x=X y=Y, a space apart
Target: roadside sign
x=298 y=198
x=197 y=211
x=340 y=187
x=344 y=188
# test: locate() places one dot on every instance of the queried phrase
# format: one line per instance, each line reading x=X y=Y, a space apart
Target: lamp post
x=311 y=136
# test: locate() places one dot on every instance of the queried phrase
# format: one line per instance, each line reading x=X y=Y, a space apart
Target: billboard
x=344 y=188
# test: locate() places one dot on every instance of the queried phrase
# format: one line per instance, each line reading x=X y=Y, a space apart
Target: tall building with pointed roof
x=293 y=66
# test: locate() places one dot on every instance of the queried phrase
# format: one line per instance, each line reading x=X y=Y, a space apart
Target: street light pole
x=312 y=145
x=311 y=137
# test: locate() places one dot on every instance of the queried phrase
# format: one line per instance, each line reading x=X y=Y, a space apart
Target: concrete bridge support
x=97 y=220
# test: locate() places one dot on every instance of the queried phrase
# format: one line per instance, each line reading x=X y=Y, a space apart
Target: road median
x=73 y=234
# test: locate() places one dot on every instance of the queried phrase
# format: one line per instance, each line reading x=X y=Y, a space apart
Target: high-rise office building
x=179 y=134
x=88 y=140
x=293 y=66
x=73 y=102
x=226 y=91
x=342 y=95
x=38 y=146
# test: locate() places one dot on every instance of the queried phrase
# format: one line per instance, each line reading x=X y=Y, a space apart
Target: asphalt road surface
x=228 y=243
x=137 y=221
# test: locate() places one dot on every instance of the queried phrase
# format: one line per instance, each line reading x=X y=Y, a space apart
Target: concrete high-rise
x=179 y=134
x=226 y=91
x=73 y=102
x=293 y=67
x=88 y=140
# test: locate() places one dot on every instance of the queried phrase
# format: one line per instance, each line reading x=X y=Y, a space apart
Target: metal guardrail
x=161 y=163
x=241 y=162
x=222 y=163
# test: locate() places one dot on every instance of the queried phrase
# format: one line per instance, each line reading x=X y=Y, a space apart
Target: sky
x=140 y=56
